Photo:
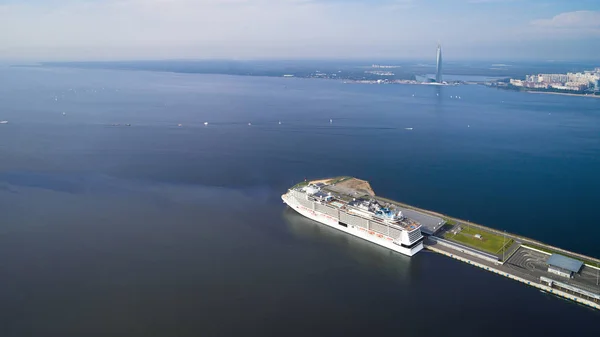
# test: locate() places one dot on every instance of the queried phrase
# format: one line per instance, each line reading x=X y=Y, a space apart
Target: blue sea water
x=158 y=229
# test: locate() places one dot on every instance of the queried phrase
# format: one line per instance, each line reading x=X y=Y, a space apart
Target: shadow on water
x=365 y=253
x=47 y=181
x=439 y=99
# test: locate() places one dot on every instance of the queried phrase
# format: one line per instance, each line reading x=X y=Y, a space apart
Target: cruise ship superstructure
x=358 y=214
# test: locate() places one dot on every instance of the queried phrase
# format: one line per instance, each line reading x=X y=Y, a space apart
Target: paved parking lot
x=533 y=263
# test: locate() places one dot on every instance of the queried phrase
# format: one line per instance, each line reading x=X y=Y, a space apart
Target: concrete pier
x=512 y=256
x=505 y=271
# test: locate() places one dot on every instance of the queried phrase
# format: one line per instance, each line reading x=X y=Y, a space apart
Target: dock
x=509 y=255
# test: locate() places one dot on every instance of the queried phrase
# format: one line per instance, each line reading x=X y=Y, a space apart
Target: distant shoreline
x=561 y=93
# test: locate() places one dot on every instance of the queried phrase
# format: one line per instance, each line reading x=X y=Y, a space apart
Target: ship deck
x=344 y=202
x=344 y=191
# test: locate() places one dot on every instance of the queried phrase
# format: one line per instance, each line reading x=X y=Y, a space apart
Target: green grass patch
x=300 y=184
x=450 y=222
x=489 y=242
x=339 y=179
x=543 y=249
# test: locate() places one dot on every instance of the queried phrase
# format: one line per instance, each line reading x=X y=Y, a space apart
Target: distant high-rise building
x=438 y=70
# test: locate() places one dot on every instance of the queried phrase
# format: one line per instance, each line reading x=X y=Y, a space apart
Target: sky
x=77 y=30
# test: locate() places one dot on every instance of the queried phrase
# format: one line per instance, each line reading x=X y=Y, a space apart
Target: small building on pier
x=563 y=266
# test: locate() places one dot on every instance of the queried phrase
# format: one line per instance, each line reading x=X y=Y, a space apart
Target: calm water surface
x=158 y=230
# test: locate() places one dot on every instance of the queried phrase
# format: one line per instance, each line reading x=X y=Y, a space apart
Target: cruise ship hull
x=356 y=231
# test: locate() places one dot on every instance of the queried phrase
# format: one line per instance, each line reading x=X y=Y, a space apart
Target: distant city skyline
x=298 y=29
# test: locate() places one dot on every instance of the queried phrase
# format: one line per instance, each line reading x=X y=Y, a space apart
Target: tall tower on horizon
x=438 y=69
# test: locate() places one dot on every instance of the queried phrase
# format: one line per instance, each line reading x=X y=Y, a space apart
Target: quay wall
x=516 y=278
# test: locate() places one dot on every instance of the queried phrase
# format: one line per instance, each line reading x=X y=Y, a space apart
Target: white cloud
x=578 y=22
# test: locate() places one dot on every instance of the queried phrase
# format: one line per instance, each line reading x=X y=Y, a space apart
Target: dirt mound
x=360 y=186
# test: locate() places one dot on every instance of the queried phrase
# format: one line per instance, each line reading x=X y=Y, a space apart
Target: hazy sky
x=293 y=29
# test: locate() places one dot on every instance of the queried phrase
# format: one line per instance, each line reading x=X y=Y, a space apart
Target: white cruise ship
x=362 y=216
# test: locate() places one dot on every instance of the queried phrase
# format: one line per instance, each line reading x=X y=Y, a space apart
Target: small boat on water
x=3 y=122
x=408 y=128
